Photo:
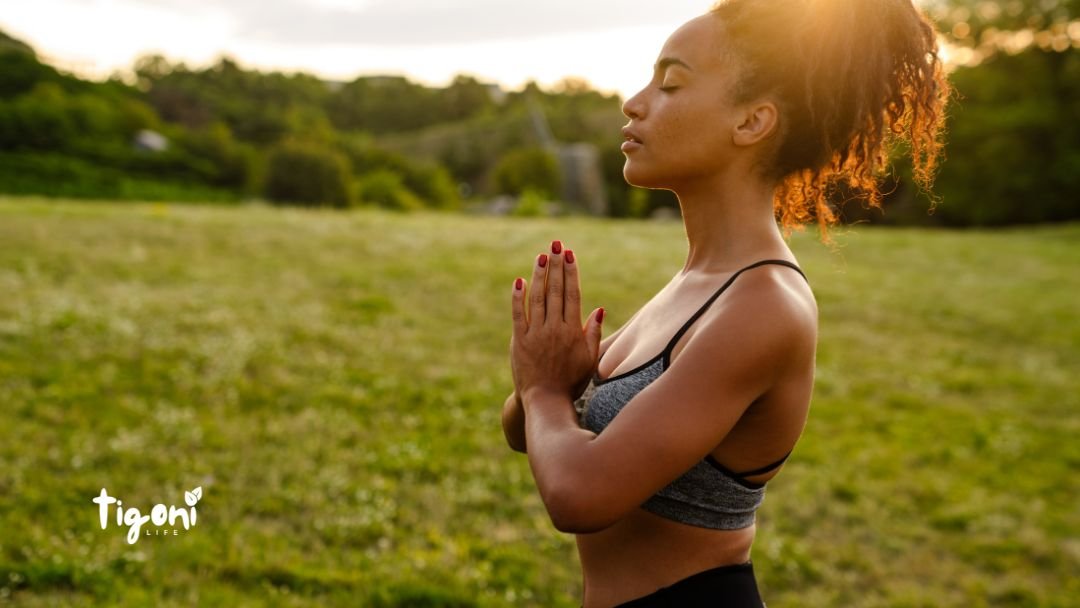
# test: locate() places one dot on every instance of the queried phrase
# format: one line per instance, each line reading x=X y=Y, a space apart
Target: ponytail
x=852 y=79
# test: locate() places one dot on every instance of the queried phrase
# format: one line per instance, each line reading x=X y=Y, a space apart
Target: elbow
x=574 y=511
x=514 y=445
x=564 y=518
x=576 y=528
x=585 y=526
x=513 y=430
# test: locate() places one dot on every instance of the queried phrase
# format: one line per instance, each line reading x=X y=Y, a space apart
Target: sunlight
x=95 y=43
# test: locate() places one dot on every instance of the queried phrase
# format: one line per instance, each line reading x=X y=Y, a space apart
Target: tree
x=979 y=29
x=1013 y=154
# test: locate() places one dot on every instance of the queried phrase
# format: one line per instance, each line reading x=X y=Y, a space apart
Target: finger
x=572 y=302
x=536 y=290
x=594 y=330
x=517 y=307
x=555 y=281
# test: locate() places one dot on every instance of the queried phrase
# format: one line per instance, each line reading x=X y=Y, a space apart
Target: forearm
x=513 y=422
x=557 y=448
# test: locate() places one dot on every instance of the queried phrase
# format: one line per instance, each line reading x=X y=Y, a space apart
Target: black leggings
x=731 y=586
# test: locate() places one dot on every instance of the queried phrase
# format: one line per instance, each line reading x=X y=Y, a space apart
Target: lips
x=631 y=136
x=633 y=142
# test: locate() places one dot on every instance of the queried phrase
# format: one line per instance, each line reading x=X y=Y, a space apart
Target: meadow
x=333 y=381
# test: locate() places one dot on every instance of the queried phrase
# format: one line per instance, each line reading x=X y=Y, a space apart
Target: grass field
x=334 y=381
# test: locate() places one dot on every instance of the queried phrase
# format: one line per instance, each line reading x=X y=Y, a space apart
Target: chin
x=641 y=179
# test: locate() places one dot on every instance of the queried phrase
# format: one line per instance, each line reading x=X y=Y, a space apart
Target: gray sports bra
x=709 y=495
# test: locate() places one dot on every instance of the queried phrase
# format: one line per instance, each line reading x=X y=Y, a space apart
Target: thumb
x=594 y=330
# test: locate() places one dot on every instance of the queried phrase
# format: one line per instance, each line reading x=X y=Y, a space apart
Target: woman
x=755 y=111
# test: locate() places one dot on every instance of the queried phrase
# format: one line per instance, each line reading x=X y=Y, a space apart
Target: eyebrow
x=669 y=61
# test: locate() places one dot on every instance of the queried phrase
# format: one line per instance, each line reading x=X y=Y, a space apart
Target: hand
x=550 y=349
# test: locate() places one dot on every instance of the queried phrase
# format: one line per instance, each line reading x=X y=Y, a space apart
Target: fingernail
x=543 y=260
x=569 y=256
x=600 y=316
x=556 y=247
x=519 y=283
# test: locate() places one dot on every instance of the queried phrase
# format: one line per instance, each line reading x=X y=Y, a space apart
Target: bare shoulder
x=778 y=287
x=771 y=306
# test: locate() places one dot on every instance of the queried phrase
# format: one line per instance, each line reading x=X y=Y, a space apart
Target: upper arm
x=731 y=360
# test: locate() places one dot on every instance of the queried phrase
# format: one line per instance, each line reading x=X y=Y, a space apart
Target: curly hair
x=853 y=79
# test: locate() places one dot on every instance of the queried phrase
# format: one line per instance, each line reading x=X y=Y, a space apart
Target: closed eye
x=668 y=89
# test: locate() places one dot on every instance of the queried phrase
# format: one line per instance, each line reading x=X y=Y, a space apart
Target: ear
x=756 y=124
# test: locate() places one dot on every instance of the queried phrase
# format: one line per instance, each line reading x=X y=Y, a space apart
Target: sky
x=612 y=44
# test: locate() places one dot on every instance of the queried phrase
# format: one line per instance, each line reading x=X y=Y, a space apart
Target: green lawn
x=334 y=381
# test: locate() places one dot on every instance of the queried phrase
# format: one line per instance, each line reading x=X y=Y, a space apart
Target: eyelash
x=668 y=89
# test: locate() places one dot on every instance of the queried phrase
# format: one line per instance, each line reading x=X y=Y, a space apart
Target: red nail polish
x=569 y=256
x=556 y=247
x=600 y=316
x=518 y=283
x=543 y=260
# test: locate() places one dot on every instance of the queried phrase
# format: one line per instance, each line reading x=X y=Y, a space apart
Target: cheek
x=704 y=138
x=691 y=128
x=689 y=143
x=677 y=122
x=687 y=140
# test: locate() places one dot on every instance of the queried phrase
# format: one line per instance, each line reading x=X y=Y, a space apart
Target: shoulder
x=776 y=289
x=768 y=312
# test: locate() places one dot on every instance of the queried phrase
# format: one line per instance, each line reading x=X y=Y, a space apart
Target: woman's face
x=682 y=120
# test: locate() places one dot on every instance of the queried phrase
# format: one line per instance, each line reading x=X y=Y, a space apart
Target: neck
x=728 y=220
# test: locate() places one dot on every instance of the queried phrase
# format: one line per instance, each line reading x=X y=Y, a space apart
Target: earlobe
x=758 y=124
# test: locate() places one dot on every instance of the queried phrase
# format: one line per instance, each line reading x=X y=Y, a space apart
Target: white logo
x=158 y=515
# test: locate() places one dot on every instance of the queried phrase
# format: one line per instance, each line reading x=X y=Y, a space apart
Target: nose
x=634 y=108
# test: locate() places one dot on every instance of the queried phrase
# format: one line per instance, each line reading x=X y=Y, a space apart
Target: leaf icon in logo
x=193 y=496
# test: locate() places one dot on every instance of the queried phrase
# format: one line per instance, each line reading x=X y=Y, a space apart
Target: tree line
x=1012 y=156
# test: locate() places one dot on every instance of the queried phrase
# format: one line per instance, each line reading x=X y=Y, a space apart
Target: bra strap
x=766 y=468
x=700 y=311
x=740 y=476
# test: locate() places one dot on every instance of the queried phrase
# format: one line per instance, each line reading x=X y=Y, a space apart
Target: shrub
x=531 y=203
x=232 y=162
x=308 y=174
x=433 y=184
x=385 y=188
x=430 y=182
x=59 y=175
x=527 y=169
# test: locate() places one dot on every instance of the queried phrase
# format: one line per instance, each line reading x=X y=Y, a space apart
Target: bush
x=40 y=120
x=430 y=182
x=385 y=188
x=530 y=204
x=22 y=71
x=308 y=174
x=527 y=169
x=433 y=184
x=58 y=175
x=232 y=162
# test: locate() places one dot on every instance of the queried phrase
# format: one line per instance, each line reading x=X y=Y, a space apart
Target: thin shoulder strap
x=705 y=306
